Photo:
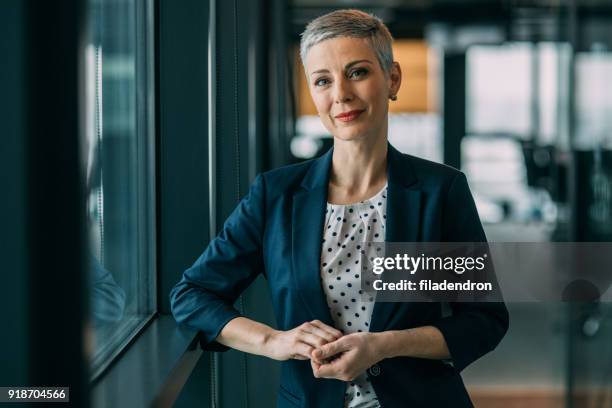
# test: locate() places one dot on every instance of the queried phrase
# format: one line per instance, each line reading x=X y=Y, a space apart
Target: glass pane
x=119 y=180
x=593 y=99
x=590 y=329
x=498 y=81
x=514 y=94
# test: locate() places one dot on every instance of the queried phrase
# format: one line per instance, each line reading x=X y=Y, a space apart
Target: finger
x=302 y=351
x=335 y=333
x=324 y=335
x=315 y=359
x=331 y=349
x=333 y=369
x=311 y=339
x=315 y=368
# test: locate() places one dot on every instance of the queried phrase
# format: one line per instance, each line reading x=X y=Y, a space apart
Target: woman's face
x=349 y=88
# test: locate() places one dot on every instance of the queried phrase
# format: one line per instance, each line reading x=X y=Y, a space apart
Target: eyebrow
x=347 y=66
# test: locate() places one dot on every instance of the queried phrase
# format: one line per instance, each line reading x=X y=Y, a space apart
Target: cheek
x=376 y=93
x=321 y=102
x=378 y=98
x=323 y=106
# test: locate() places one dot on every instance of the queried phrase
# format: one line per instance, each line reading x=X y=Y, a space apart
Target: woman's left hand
x=347 y=357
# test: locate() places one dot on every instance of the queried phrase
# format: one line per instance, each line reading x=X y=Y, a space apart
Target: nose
x=342 y=91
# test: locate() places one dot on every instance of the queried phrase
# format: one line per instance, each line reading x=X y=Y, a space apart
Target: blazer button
x=374 y=370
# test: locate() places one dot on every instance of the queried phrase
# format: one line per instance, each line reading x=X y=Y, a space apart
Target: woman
x=299 y=226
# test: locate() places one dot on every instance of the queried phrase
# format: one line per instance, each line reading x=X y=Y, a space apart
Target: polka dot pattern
x=347 y=227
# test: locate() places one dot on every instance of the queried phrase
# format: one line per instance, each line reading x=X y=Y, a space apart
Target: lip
x=350 y=115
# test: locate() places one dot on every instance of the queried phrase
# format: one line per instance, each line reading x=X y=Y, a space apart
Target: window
x=593 y=99
x=515 y=92
x=118 y=156
x=498 y=81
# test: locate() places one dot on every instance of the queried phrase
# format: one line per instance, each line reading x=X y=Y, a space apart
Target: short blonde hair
x=350 y=23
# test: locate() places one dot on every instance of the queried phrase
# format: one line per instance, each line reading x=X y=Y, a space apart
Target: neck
x=358 y=166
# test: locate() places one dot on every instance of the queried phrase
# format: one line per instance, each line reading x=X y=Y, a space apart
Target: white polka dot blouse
x=346 y=229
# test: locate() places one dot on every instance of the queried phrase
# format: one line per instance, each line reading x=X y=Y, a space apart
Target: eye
x=321 y=82
x=358 y=73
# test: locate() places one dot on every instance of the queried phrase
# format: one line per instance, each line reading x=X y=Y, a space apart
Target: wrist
x=382 y=345
x=267 y=341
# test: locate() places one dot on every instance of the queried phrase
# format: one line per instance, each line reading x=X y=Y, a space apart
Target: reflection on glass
x=117 y=157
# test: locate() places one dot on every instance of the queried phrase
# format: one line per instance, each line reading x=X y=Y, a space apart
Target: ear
x=395 y=78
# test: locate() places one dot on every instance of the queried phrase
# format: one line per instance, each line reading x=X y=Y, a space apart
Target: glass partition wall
x=590 y=124
x=537 y=153
x=118 y=155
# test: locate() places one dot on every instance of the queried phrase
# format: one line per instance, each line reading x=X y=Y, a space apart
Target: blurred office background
x=131 y=128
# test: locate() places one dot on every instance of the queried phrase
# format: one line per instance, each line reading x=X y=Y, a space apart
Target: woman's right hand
x=298 y=343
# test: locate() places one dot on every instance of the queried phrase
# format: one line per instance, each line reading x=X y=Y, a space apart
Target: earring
x=393 y=97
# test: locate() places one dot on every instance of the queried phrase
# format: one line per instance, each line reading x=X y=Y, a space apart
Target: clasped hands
x=331 y=353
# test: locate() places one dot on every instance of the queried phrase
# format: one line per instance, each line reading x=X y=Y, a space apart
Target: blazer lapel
x=308 y=216
x=402 y=222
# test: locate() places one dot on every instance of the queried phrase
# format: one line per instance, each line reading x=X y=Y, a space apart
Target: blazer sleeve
x=474 y=328
x=204 y=297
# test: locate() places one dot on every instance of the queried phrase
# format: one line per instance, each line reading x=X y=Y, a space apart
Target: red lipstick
x=350 y=115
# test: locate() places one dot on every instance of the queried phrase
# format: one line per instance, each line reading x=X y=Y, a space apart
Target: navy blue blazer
x=277 y=230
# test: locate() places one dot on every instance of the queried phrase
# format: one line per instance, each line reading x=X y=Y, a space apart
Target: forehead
x=335 y=53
